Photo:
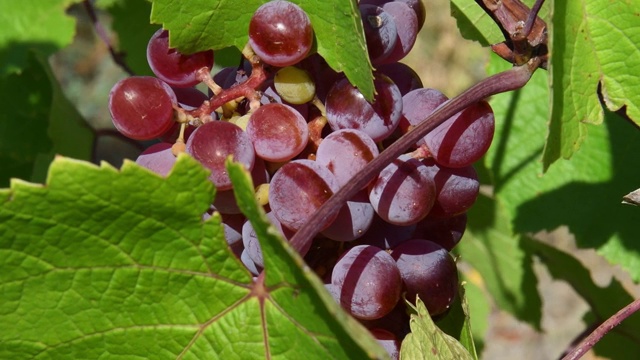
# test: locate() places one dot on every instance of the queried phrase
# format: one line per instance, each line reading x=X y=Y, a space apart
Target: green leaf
x=456 y=323
x=584 y=193
x=38 y=123
x=593 y=43
x=100 y=261
x=426 y=340
x=474 y=23
x=130 y=22
x=40 y=25
x=491 y=248
x=623 y=342
x=216 y=24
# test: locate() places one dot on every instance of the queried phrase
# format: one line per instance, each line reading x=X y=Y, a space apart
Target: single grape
x=405 y=78
x=297 y=191
x=456 y=189
x=403 y=193
x=346 y=152
x=294 y=85
x=464 y=138
x=173 y=67
x=278 y=132
x=379 y=31
x=406 y=23
x=445 y=232
x=429 y=272
x=213 y=142
x=354 y=219
x=280 y=33
x=189 y=98
x=417 y=105
x=388 y=341
x=367 y=282
x=416 y=5
x=348 y=109
x=142 y=107
x=249 y=264
x=157 y=158
x=252 y=244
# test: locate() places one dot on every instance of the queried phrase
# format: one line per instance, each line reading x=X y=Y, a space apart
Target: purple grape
x=278 y=132
x=173 y=67
x=189 y=98
x=416 y=5
x=385 y=235
x=388 y=341
x=405 y=78
x=280 y=33
x=354 y=219
x=445 y=232
x=346 y=152
x=407 y=30
x=417 y=105
x=348 y=109
x=213 y=142
x=403 y=193
x=464 y=138
x=225 y=203
x=379 y=31
x=367 y=282
x=297 y=191
x=157 y=158
x=142 y=107
x=252 y=244
x=249 y=264
x=429 y=272
x=456 y=189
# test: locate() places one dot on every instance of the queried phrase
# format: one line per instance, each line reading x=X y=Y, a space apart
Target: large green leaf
x=584 y=194
x=32 y=25
x=101 y=261
x=37 y=122
x=456 y=322
x=216 y=24
x=623 y=342
x=592 y=43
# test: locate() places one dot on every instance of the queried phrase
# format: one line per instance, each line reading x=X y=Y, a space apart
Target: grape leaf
x=216 y=24
x=623 y=342
x=100 y=261
x=133 y=34
x=584 y=193
x=593 y=43
x=457 y=324
x=38 y=123
x=491 y=248
x=426 y=339
x=474 y=23
x=40 y=25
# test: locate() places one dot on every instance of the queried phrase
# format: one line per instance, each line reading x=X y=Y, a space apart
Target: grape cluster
x=304 y=131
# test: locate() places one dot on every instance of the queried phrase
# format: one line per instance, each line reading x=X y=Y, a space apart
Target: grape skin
x=280 y=33
x=278 y=132
x=157 y=158
x=141 y=107
x=379 y=30
x=213 y=142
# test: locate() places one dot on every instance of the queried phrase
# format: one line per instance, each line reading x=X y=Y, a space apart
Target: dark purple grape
x=403 y=193
x=464 y=138
x=173 y=67
x=278 y=132
x=388 y=341
x=348 y=109
x=189 y=98
x=142 y=107
x=417 y=105
x=429 y=272
x=297 y=191
x=416 y=5
x=379 y=31
x=353 y=220
x=405 y=78
x=367 y=282
x=445 y=232
x=407 y=30
x=456 y=189
x=346 y=152
x=157 y=158
x=212 y=143
x=225 y=202
x=252 y=244
x=280 y=33
x=385 y=235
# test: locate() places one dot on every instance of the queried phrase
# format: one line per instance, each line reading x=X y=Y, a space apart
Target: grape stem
x=597 y=334
x=509 y=80
x=118 y=57
x=245 y=89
